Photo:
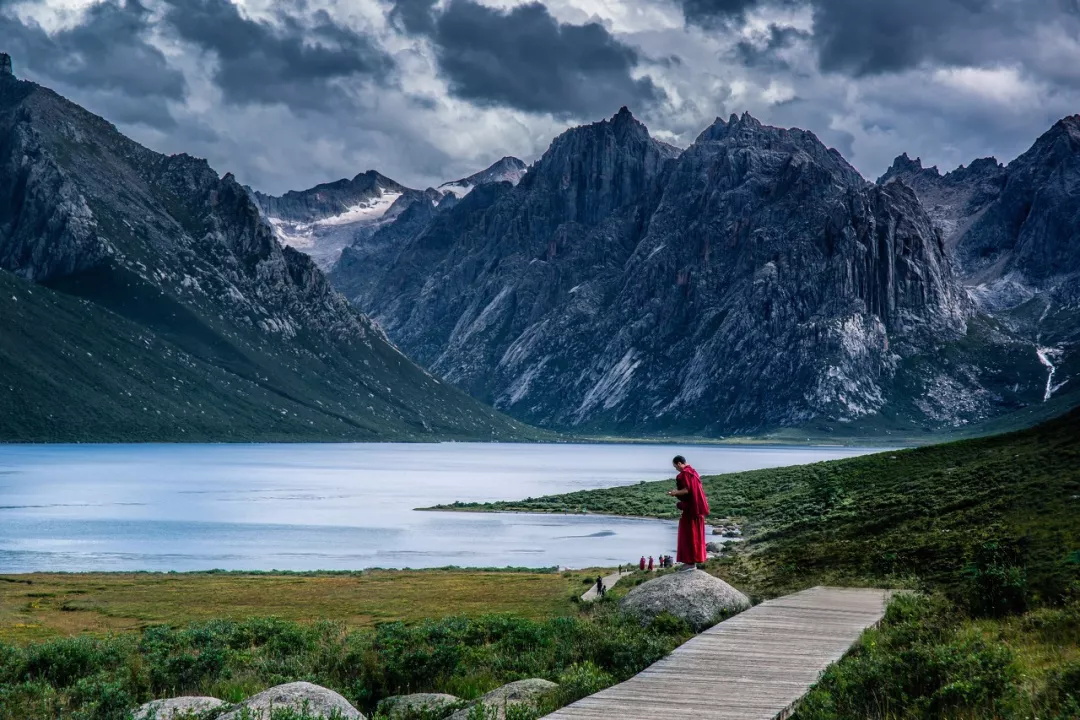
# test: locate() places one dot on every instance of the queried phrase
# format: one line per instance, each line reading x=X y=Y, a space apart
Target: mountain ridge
x=755 y=247
x=250 y=340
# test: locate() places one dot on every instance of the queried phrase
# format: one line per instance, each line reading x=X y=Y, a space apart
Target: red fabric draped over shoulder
x=694 y=506
x=695 y=503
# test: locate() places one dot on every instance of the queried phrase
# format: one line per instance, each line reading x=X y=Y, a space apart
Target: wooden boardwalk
x=755 y=666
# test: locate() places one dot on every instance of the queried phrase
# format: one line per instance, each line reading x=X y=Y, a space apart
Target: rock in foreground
x=176 y=707
x=298 y=696
x=521 y=692
x=404 y=706
x=692 y=595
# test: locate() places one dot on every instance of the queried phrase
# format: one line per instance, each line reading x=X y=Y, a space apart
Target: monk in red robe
x=695 y=507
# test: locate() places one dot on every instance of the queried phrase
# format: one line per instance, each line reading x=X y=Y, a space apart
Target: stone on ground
x=404 y=706
x=176 y=707
x=298 y=696
x=694 y=595
x=520 y=692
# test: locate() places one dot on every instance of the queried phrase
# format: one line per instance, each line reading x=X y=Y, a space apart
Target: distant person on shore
x=641 y=563
x=690 y=549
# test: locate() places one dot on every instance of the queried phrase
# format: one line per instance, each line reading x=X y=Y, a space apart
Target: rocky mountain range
x=751 y=281
x=1013 y=234
x=145 y=298
x=323 y=220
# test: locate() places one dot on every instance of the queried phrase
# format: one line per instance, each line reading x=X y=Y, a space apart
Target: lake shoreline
x=496 y=511
x=305 y=507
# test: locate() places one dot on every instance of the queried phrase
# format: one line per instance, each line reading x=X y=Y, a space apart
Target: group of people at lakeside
x=662 y=562
x=690 y=545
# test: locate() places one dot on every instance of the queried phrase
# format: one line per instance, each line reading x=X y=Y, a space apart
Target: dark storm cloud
x=863 y=37
x=707 y=12
x=525 y=59
x=766 y=56
x=106 y=55
x=293 y=60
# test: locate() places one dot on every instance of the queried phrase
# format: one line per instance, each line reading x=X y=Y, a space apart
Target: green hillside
x=73 y=371
x=142 y=297
x=923 y=514
x=986 y=533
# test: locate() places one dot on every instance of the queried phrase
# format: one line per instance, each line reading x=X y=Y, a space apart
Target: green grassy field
x=92 y=646
x=41 y=606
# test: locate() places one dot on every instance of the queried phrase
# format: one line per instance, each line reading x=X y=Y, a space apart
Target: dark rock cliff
x=753 y=280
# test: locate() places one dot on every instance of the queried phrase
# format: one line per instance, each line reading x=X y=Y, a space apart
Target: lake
x=332 y=506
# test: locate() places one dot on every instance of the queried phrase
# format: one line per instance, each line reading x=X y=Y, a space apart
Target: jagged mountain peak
x=1063 y=137
x=507 y=169
x=322 y=220
x=734 y=120
x=1070 y=123
x=905 y=165
x=748 y=130
x=980 y=165
x=360 y=182
x=767 y=148
x=622 y=126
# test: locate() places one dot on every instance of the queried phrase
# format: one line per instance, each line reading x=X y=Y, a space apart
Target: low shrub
x=99 y=678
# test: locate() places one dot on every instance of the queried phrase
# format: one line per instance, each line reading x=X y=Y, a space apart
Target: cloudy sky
x=289 y=93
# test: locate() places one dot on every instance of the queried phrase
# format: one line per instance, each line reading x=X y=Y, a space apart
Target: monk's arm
x=679 y=493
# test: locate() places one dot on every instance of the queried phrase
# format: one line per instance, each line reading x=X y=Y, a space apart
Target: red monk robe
x=694 y=506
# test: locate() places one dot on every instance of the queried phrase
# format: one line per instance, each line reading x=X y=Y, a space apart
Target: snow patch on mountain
x=324 y=239
x=364 y=212
x=509 y=169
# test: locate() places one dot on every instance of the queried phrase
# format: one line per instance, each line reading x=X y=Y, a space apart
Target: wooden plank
x=754 y=666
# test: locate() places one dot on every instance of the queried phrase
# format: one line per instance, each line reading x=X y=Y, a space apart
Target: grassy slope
x=889 y=517
x=73 y=371
x=987 y=529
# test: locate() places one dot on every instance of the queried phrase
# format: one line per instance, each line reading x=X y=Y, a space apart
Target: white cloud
x=1004 y=85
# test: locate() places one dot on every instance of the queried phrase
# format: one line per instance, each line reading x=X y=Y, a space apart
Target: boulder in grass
x=417 y=705
x=306 y=697
x=692 y=595
x=520 y=692
x=176 y=707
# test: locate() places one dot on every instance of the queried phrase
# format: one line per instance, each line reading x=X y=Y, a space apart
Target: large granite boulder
x=401 y=707
x=520 y=692
x=693 y=595
x=299 y=696
x=176 y=707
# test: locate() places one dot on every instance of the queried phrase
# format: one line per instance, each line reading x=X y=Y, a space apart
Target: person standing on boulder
x=690 y=549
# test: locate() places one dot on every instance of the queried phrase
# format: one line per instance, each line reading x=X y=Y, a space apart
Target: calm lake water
x=331 y=507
